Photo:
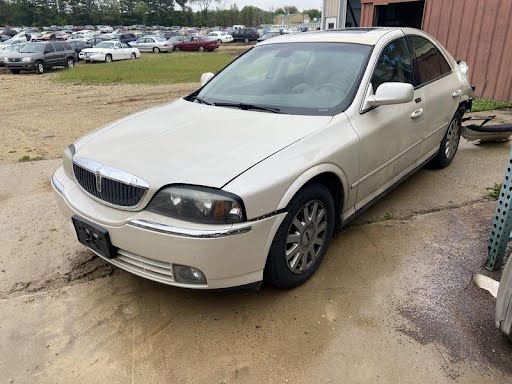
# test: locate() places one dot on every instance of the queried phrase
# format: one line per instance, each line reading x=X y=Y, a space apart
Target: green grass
x=389 y=216
x=26 y=158
x=166 y=68
x=480 y=105
x=494 y=192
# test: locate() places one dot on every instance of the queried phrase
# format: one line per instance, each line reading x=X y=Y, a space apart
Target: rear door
x=50 y=55
x=441 y=91
x=60 y=57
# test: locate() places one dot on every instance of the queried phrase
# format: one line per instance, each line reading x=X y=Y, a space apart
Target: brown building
x=477 y=31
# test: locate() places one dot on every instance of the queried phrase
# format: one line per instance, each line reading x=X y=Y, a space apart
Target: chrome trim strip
x=57 y=185
x=187 y=232
x=110 y=172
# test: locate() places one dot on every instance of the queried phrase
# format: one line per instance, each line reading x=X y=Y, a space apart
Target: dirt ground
x=391 y=303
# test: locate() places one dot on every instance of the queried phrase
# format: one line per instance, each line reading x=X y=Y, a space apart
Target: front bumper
x=95 y=57
x=150 y=244
x=22 y=66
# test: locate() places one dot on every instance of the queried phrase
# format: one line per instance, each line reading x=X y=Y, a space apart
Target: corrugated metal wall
x=477 y=31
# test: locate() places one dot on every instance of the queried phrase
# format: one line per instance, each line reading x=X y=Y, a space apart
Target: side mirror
x=391 y=93
x=206 y=77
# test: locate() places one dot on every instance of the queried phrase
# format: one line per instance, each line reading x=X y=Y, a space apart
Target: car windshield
x=296 y=78
x=105 y=44
x=32 y=48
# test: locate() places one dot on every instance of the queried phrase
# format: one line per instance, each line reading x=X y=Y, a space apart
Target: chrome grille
x=139 y=265
x=111 y=191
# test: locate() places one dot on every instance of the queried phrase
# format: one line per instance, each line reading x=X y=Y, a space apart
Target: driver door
x=389 y=134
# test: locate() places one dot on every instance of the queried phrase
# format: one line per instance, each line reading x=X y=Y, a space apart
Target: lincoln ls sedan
x=246 y=179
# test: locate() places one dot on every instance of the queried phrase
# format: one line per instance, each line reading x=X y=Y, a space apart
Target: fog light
x=188 y=275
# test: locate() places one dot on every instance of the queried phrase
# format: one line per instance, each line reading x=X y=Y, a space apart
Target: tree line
x=131 y=12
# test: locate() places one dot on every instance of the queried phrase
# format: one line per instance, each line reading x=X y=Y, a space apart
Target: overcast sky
x=267 y=4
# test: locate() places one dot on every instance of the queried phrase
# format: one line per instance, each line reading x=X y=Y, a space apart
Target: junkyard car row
x=256 y=169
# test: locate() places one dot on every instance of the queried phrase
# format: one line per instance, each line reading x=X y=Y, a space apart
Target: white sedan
x=108 y=51
x=220 y=37
x=249 y=178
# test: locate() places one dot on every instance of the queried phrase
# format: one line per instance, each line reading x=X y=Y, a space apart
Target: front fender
x=309 y=174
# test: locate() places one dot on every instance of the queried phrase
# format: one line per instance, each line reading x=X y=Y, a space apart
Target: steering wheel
x=336 y=88
x=301 y=88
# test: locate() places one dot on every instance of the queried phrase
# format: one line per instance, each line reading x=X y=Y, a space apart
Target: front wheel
x=246 y=40
x=201 y=49
x=219 y=41
x=39 y=67
x=133 y=56
x=301 y=241
x=449 y=144
x=108 y=59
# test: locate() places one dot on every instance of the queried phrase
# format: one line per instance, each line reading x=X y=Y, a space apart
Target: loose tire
x=15 y=71
x=39 y=67
x=70 y=63
x=302 y=239
x=156 y=50
x=449 y=144
x=201 y=48
x=108 y=58
x=133 y=56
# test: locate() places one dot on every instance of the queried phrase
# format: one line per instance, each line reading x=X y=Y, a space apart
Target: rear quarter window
x=58 y=47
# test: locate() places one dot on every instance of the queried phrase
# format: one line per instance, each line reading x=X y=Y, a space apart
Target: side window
x=430 y=63
x=58 y=47
x=69 y=47
x=49 y=48
x=118 y=45
x=394 y=64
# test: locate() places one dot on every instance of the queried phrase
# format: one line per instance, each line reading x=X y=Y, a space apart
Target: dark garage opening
x=407 y=14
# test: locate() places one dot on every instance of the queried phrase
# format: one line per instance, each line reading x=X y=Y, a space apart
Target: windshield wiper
x=246 y=107
x=200 y=100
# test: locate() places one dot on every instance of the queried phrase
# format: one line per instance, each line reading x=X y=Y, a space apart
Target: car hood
x=192 y=143
x=17 y=55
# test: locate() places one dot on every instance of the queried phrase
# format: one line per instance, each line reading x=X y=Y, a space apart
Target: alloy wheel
x=306 y=237
x=452 y=138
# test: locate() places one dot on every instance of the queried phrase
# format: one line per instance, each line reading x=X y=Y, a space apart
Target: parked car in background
x=57 y=35
x=108 y=51
x=269 y=35
x=196 y=43
x=168 y=34
x=95 y=40
x=263 y=162
x=155 y=44
x=40 y=56
x=11 y=42
x=245 y=34
x=4 y=38
x=220 y=37
x=8 y=51
x=125 y=38
x=78 y=45
x=504 y=301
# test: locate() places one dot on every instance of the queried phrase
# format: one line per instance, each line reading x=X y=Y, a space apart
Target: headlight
x=26 y=59
x=464 y=68
x=67 y=160
x=198 y=204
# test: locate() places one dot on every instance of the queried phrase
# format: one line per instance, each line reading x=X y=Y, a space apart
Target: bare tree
x=203 y=4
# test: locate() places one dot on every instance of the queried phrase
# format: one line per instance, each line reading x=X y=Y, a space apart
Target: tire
x=133 y=56
x=39 y=67
x=175 y=49
x=449 y=144
x=201 y=48
x=156 y=50
x=70 y=63
x=293 y=257
x=15 y=71
x=246 y=40
x=219 y=41
x=108 y=58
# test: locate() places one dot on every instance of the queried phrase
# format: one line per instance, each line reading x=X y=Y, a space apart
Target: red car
x=198 y=43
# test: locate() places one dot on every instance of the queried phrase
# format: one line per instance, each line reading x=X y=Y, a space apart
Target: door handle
x=417 y=113
x=457 y=93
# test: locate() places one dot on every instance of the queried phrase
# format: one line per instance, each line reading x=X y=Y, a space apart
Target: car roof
x=369 y=36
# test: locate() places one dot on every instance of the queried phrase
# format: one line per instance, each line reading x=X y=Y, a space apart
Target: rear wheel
x=39 y=67
x=156 y=50
x=246 y=40
x=133 y=56
x=108 y=58
x=201 y=49
x=449 y=144
x=219 y=41
x=175 y=49
x=301 y=241
x=15 y=71
x=70 y=62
